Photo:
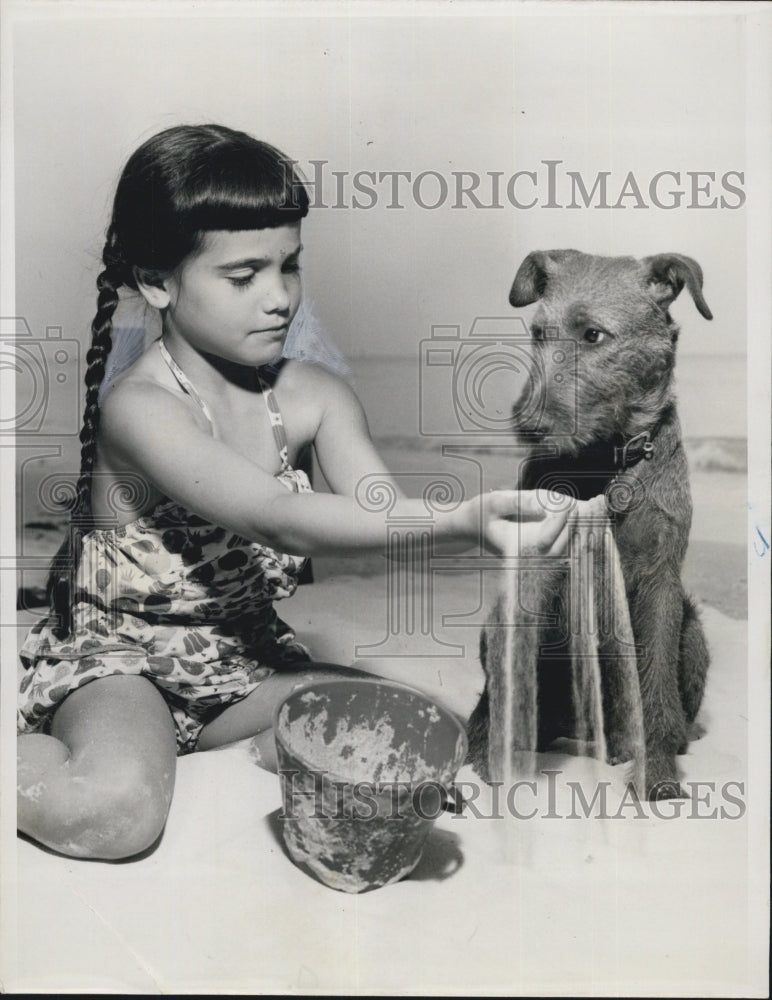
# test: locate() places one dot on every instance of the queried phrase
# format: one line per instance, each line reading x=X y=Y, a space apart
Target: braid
x=96 y=359
x=65 y=563
x=180 y=184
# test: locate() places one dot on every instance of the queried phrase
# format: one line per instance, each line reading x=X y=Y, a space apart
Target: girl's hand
x=532 y=522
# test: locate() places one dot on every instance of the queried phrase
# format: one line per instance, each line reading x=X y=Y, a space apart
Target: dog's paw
x=666 y=790
x=618 y=753
x=694 y=732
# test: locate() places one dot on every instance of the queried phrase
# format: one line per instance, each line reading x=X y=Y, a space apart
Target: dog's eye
x=594 y=336
x=537 y=331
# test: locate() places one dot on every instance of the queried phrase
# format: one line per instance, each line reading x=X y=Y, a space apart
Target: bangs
x=230 y=190
x=193 y=179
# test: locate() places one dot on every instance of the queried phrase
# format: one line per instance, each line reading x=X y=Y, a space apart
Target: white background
x=633 y=87
x=641 y=91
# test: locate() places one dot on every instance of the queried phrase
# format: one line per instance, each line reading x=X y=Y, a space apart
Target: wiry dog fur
x=613 y=313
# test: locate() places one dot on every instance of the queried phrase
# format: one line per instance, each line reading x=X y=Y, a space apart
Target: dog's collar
x=633 y=450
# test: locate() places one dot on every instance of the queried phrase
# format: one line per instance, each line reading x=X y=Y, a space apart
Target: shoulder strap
x=277 y=424
x=274 y=414
x=185 y=384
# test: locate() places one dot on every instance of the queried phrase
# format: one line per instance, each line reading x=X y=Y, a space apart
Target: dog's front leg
x=656 y=611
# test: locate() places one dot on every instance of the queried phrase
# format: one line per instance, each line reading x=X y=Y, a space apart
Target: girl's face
x=237 y=295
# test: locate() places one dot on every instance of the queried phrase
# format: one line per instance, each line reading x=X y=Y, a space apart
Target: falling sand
x=601 y=648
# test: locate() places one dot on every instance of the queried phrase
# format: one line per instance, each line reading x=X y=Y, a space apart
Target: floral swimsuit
x=174 y=598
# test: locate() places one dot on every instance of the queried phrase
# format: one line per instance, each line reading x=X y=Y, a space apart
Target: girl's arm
x=150 y=431
x=146 y=429
x=348 y=459
x=344 y=449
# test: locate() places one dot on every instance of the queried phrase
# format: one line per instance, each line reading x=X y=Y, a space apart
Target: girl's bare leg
x=254 y=715
x=100 y=786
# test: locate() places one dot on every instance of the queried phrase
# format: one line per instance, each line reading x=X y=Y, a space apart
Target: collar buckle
x=622 y=454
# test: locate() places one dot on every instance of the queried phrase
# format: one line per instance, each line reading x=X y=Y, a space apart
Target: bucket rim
x=368 y=682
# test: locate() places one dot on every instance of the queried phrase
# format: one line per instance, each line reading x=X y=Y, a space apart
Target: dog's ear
x=533 y=274
x=667 y=273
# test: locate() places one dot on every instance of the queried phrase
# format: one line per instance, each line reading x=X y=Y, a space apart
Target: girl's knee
x=137 y=808
x=110 y=796
x=119 y=813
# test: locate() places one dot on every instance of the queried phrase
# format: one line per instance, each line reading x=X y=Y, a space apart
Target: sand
x=632 y=904
x=617 y=902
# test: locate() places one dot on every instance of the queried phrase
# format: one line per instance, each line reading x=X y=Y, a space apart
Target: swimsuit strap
x=277 y=424
x=274 y=414
x=185 y=384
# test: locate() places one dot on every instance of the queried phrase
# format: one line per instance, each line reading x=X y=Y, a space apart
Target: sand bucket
x=366 y=767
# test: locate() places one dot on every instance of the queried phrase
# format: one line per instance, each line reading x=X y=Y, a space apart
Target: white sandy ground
x=625 y=906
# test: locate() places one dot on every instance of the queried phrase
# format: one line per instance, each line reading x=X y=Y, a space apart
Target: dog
x=605 y=422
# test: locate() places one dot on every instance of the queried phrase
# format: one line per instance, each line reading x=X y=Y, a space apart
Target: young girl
x=162 y=638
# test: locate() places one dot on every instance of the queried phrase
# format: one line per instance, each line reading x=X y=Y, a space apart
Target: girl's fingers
x=536 y=504
x=560 y=544
x=538 y=522
x=506 y=503
x=529 y=504
x=554 y=502
x=594 y=509
x=551 y=529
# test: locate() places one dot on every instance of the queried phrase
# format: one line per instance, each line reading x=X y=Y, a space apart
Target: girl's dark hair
x=180 y=184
